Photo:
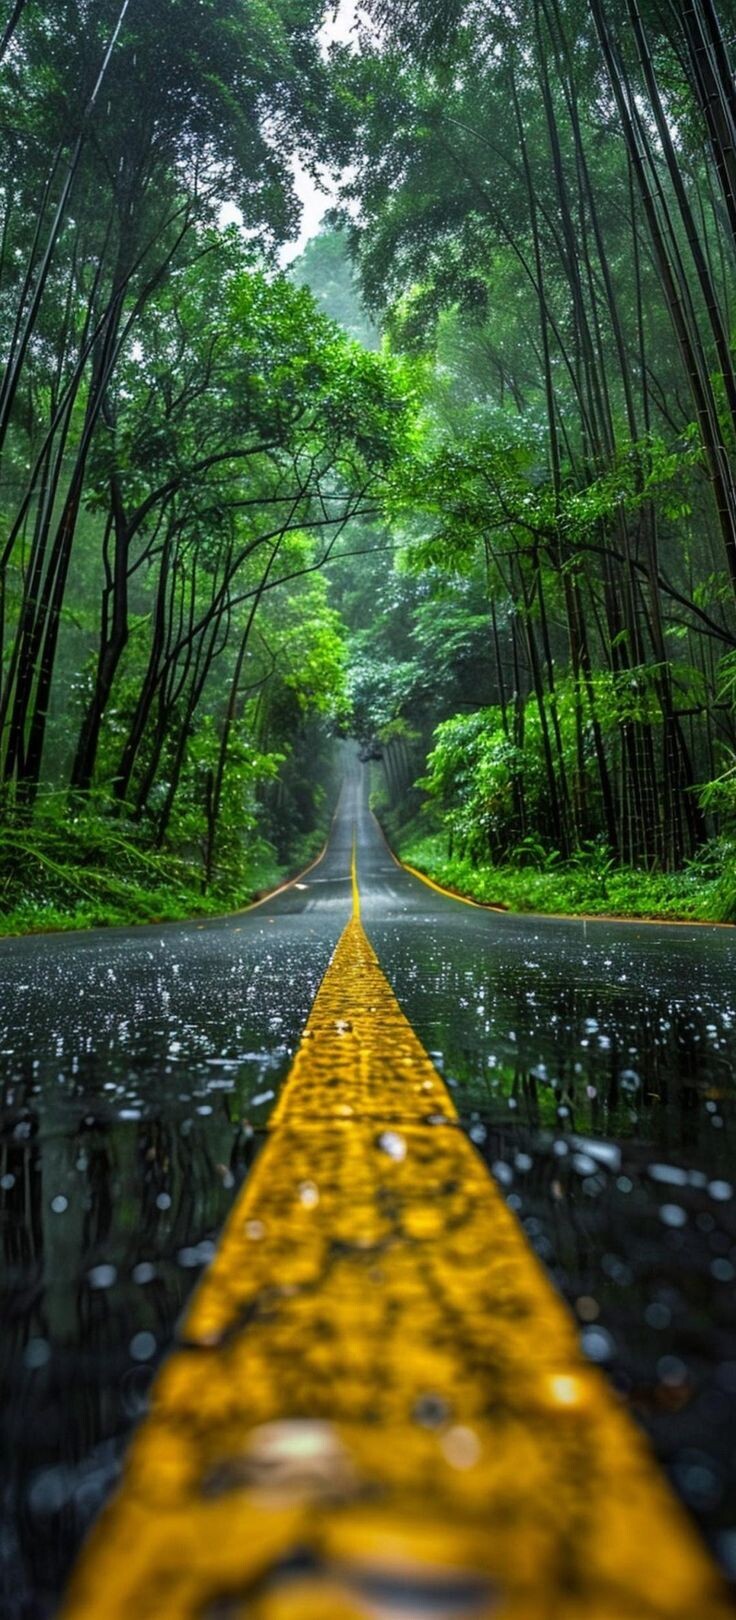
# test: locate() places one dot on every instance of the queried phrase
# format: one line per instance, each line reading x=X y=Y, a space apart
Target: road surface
x=592 y=1065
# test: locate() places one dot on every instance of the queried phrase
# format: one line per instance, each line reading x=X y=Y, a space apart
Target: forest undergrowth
x=591 y=884
x=65 y=873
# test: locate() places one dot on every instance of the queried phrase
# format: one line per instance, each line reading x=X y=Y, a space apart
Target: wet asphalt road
x=593 y=1065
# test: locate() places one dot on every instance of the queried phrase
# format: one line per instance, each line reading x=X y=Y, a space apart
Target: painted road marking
x=448 y=894
x=354 y=880
x=379 y=1405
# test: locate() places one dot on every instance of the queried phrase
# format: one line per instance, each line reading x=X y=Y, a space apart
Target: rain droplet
x=36 y=1354
x=672 y=1371
x=657 y=1315
x=393 y=1144
x=59 y=1204
x=605 y=1153
x=597 y=1343
x=584 y=1165
x=430 y=1411
x=144 y=1272
x=670 y=1174
x=102 y=1276
x=565 y=1389
x=461 y=1446
x=142 y=1346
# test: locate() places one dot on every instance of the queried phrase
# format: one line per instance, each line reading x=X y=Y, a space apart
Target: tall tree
x=511 y=179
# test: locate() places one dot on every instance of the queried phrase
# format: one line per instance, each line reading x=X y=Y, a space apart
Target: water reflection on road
x=137 y=1075
x=595 y=1069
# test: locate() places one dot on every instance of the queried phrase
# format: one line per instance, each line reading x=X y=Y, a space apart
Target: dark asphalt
x=593 y=1064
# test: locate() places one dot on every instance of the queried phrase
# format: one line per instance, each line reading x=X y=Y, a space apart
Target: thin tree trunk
x=694 y=360
x=11 y=25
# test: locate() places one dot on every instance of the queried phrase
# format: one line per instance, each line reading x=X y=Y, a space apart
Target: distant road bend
x=377 y=1404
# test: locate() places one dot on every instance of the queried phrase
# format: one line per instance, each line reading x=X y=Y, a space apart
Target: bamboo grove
x=184 y=440
x=545 y=214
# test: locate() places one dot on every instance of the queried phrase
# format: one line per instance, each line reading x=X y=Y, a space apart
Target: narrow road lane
x=593 y=1065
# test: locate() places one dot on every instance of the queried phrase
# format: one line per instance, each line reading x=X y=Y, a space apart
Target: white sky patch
x=229 y=215
x=340 y=20
x=315 y=197
x=315 y=203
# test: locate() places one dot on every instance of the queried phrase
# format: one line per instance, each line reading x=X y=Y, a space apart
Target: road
x=592 y=1064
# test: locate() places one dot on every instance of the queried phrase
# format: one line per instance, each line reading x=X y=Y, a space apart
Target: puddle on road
x=599 y=1084
x=118 y=1166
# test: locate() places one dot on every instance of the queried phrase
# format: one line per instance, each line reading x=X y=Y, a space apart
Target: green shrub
x=591 y=884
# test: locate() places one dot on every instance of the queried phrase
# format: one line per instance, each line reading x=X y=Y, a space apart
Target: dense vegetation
x=462 y=480
x=185 y=440
x=545 y=220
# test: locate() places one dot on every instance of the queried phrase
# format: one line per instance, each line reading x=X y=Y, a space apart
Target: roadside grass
x=704 y=891
x=86 y=873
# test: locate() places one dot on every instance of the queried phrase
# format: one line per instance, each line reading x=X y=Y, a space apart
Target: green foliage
x=185 y=436
x=568 y=456
x=91 y=870
x=489 y=486
x=238 y=827
x=720 y=795
x=243 y=429
x=592 y=885
x=472 y=772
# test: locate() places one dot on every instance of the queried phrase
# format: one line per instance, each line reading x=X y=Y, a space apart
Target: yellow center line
x=378 y=1394
x=354 y=880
